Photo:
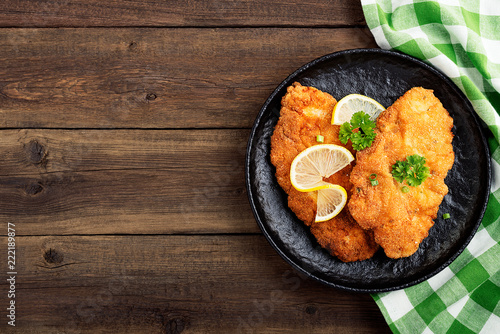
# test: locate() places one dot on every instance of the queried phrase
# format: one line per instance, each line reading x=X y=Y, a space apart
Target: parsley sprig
x=360 y=130
x=412 y=170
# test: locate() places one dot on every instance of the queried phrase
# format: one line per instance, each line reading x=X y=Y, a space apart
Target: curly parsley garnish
x=360 y=130
x=412 y=170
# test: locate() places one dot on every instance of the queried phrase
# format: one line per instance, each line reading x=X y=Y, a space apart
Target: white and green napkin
x=462 y=39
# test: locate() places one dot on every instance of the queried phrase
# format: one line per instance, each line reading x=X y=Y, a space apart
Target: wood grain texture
x=88 y=13
x=152 y=78
x=174 y=284
x=124 y=181
x=123 y=129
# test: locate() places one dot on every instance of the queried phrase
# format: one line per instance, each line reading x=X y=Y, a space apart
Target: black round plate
x=384 y=76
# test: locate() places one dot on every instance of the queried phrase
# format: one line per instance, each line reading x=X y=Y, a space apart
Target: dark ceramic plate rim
x=263 y=226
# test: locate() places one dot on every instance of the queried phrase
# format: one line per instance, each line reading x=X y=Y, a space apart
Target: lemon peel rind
x=322 y=184
x=338 y=209
x=379 y=108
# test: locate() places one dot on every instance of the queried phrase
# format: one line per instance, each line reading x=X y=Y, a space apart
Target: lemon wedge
x=317 y=162
x=351 y=104
x=331 y=200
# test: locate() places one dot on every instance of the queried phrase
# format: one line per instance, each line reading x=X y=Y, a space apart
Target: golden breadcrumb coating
x=417 y=123
x=305 y=113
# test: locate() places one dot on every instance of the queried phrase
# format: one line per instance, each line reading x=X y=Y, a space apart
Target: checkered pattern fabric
x=462 y=39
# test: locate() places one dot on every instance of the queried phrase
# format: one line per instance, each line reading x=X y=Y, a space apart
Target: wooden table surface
x=124 y=127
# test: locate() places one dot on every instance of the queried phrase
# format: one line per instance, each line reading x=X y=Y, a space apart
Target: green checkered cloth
x=462 y=39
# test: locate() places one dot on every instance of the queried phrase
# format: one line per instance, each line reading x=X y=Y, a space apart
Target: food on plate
x=305 y=121
x=410 y=156
x=394 y=186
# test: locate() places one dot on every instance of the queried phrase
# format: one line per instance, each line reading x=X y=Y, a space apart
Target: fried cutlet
x=417 y=123
x=305 y=113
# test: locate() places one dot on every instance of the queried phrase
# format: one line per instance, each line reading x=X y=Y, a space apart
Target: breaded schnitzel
x=305 y=113
x=417 y=123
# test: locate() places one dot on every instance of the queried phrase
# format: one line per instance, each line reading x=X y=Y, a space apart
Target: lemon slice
x=317 y=162
x=331 y=200
x=351 y=104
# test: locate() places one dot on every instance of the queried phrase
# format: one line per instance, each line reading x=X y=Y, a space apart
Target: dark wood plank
x=87 y=13
x=172 y=284
x=125 y=181
x=152 y=78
